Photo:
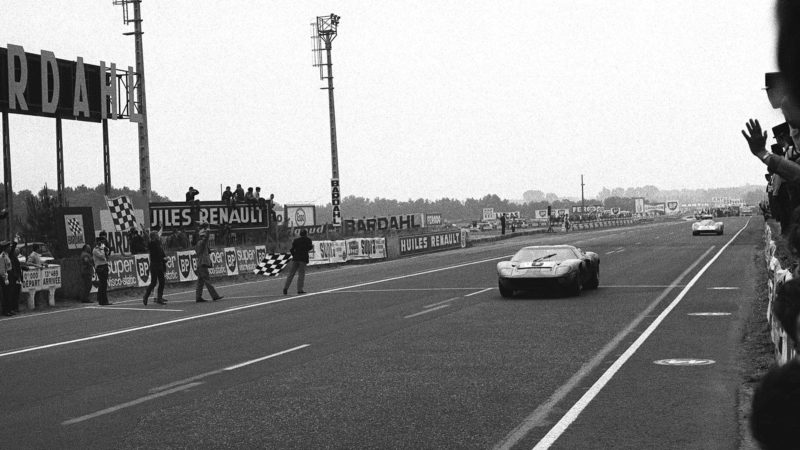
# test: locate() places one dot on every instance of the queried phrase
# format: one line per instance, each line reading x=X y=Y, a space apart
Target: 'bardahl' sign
x=173 y=215
x=400 y=222
x=42 y=85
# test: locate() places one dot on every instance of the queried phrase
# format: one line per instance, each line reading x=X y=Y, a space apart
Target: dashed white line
x=425 y=311
x=479 y=292
x=134 y=309
x=441 y=302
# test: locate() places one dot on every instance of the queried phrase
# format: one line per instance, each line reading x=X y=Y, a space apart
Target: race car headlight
x=563 y=270
x=505 y=271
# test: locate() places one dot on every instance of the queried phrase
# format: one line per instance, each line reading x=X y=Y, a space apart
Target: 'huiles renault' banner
x=173 y=215
x=431 y=242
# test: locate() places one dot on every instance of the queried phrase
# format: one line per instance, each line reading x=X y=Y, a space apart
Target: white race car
x=707 y=226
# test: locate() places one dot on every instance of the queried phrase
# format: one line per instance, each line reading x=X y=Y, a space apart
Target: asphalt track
x=414 y=353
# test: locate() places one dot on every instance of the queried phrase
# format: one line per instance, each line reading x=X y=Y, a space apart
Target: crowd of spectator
x=776 y=402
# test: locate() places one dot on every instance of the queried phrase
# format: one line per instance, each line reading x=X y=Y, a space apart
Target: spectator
x=249 y=197
x=257 y=196
x=100 y=255
x=158 y=267
x=300 y=248
x=203 y=264
x=238 y=194
x=5 y=268
x=137 y=242
x=15 y=280
x=271 y=208
x=227 y=196
x=34 y=257
x=503 y=224
x=775 y=412
x=181 y=239
x=87 y=271
x=191 y=194
x=786 y=307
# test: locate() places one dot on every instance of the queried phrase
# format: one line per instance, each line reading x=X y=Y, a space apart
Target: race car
x=541 y=266
x=707 y=226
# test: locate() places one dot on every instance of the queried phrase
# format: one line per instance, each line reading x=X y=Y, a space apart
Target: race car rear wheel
x=504 y=291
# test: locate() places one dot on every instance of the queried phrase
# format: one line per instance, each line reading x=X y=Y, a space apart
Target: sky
x=433 y=99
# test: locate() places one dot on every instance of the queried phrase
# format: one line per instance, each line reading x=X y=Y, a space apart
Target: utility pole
x=583 y=207
x=144 y=145
x=324 y=30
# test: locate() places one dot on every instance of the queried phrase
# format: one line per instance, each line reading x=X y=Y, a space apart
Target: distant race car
x=543 y=266
x=707 y=226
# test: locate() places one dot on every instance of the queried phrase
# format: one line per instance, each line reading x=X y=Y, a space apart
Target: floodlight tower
x=324 y=30
x=144 y=145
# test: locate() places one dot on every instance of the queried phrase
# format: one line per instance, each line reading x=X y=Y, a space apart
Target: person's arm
x=757 y=141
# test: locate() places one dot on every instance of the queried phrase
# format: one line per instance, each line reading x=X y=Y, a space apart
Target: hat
x=4 y=243
x=204 y=224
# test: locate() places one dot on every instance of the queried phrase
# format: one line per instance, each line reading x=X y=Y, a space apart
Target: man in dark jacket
x=203 y=264
x=87 y=272
x=300 y=248
x=158 y=266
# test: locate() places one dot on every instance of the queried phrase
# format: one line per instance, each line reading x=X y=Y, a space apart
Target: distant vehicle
x=746 y=211
x=708 y=226
x=540 y=266
x=40 y=247
x=689 y=218
x=485 y=226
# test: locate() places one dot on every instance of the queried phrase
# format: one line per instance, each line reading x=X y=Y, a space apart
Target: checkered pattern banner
x=121 y=213
x=273 y=264
x=75 y=226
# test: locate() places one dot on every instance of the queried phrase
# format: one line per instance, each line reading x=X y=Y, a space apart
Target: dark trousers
x=86 y=287
x=202 y=280
x=156 y=277
x=300 y=268
x=6 y=297
x=102 y=288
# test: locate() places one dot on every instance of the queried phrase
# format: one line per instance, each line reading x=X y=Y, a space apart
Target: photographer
x=191 y=193
x=100 y=254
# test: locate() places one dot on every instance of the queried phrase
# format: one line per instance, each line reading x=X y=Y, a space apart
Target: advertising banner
x=219 y=266
x=300 y=215
x=173 y=215
x=246 y=259
x=673 y=207
x=142 y=263
x=488 y=214
x=638 y=205
x=509 y=215
x=117 y=242
x=122 y=272
x=261 y=253
x=328 y=252
x=433 y=220
x=541 y=214
x=231 y=261
x=316 y=230
x=187 y=264
x=172 y=273
x=366 y=248
x=74 y=230
x=399 y=222
x=430 y=242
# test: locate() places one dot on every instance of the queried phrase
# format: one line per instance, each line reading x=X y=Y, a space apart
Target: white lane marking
x=134 y=309
x=723 y=288
x=264 y=358
x=128 y=404
x=441 y=302
x=640 y=286
x=425 y=311
x=710 y=314
x=616 y=250
x=684 y=362
x=358 y=291
x=479 y=292
x=539 y=416
x=218 y=371
x=584 y=401
x=243 y=307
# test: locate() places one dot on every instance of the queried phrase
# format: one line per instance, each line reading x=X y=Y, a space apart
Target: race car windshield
x=539 y=254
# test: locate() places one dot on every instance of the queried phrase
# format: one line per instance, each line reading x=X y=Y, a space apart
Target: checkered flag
x=272 y=265
x=75 y=226
x=121 y=213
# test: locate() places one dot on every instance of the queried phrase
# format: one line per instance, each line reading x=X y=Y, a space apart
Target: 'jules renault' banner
x=173 y=215
x=430 y=242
